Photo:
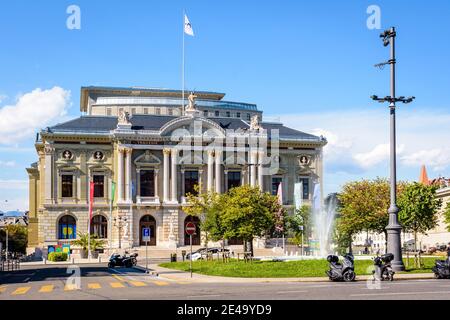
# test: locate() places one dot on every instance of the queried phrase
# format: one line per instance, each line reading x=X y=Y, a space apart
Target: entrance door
x=196 y=236
x=148 y=222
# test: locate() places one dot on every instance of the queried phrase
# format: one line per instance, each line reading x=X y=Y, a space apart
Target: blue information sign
x=146 y=234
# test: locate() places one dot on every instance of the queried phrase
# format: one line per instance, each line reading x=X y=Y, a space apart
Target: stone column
x=218 y=171
x=156 y=176
x=174 y=175
x=253 y=164
x=120 y=175
x=183 y=191
x=225 y=174
x=200 y=180
x=260 y=171
x=166 y=153
x=128 y=175
x=210 y=170
x=48 y=173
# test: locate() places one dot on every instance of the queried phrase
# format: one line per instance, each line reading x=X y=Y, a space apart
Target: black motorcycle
x=383 y=269
x=344 y=271
x=127 y=261
x=441 y=269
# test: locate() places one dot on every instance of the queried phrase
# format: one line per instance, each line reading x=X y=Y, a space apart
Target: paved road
x=99 y=282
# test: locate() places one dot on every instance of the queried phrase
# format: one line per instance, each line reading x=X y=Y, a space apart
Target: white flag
x=188 y=27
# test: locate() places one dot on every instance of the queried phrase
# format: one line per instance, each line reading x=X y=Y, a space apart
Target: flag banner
x=91 y=198
x=298 y=195
x=113 y=191
x=280 y=193
x=188 y=27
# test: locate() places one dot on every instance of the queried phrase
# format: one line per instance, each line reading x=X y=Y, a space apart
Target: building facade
x=144 y=150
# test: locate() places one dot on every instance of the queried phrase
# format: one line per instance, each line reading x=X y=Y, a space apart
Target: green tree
x=419 y=207
x=447 y=216
x=17 y=238
x=247 y=213
x=298 y=224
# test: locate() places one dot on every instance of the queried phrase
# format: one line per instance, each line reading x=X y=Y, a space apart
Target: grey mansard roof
x=104 y=124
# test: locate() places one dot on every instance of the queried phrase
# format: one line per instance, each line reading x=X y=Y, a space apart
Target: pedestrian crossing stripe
x=21 y=290
x=48 y=288
x=161 y=283
x=118 y=278
x=71 y=287
x=116 y=285
x=138 y=283
x=94 y=286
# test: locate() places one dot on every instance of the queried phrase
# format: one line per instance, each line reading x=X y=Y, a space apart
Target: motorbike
x=127 y=261
x=344 y=271
x=441 y=269
x=383 y=269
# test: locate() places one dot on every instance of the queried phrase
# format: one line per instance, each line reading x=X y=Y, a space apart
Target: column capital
x=166 y=151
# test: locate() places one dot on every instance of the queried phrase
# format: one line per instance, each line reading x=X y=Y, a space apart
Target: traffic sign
x=190 y=228
x=146 y=234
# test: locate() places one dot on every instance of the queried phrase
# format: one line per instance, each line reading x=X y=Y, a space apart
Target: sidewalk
x=177 y=275
x=70 y=261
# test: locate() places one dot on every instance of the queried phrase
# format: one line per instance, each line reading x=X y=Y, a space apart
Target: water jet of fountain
x=323 y=216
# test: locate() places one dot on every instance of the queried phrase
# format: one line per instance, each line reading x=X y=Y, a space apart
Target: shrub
x=57 y=256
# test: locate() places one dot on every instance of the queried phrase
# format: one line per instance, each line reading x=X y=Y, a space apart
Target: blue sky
x=308 y=63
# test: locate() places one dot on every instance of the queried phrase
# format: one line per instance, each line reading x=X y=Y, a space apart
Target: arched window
x=99 y=227
x=67 y=227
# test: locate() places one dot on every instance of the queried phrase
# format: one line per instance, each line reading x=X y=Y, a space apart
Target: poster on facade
x=298 y=195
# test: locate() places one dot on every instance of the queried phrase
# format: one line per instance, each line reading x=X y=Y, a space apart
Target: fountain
x=323 y=216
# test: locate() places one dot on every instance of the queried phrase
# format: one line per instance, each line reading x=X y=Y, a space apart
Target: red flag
x=91 y=198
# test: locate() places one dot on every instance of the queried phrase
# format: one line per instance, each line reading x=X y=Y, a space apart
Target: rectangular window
x=147 y=181
x=234 y=179
x=170 y=112
x=305 y=182
x=99 y=186
x=190 y=181
x=133 y=110
x=158 y=111
x=108 y=111
x=228 y=114
x=145 y=110
x=217 y=113
x=205 y=113
x=120 y=110
x=67 y=186
x=249 y=117
x=238 y=115
x=275 y=183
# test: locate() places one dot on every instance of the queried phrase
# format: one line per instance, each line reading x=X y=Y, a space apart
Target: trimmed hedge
x=57 y=256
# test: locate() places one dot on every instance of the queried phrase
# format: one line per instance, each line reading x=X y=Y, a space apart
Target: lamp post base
x=394 y=244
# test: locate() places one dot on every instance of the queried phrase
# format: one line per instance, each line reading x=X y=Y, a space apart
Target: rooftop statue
x=124 y=118
x=254 y=123
x=191 y=105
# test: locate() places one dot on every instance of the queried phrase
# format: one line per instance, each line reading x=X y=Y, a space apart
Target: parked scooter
x=127 y=261
x=441 y=269
x=344 y=271
x=383 y=269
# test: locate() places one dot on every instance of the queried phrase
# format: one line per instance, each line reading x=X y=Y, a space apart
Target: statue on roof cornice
x=124 y=118
x=254 y=123
x=191 y=105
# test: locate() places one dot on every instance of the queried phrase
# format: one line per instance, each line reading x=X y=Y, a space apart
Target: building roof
x=104 y=124
x=423 y=178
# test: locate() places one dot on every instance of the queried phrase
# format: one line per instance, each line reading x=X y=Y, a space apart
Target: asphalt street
x=89 y=282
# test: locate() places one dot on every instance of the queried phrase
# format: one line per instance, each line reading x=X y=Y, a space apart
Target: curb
x=150 y=272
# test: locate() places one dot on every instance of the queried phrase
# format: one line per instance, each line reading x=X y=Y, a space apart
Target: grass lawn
x=268 y=269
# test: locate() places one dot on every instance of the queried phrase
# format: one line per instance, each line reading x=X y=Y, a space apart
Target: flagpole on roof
x=182 y=67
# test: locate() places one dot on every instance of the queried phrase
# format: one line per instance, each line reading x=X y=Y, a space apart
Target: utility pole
x=393 y=228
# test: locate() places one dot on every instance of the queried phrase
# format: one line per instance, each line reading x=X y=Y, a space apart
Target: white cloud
x=376 y=156
x=32 y=111
x=7 y=163
x=3 y=97
x=13 y=184
x=437 y=159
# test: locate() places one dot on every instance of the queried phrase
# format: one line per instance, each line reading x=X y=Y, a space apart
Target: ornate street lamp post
x=119 y=223
x=393 y=228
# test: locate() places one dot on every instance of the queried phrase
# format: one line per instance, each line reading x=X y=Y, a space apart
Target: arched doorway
x=196 y=236
x=67 y=228
x=99 y=226
x=148 y=222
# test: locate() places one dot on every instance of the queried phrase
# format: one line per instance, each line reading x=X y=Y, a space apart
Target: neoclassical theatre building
x=151 y=147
